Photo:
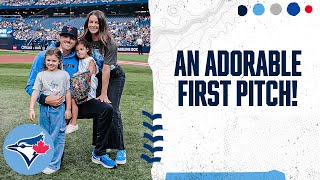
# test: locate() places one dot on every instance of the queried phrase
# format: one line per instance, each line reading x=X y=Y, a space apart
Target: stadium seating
x=125 y=29
x=120 y=19
x=32 y=20
x=17 y=2
x=10 y=20
x=77 y=22
x=54 y=22
x=54 y=2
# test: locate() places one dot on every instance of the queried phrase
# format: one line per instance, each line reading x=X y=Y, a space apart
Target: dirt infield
x=28 y=58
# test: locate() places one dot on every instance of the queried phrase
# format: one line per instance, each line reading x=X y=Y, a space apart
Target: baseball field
x=138 y=94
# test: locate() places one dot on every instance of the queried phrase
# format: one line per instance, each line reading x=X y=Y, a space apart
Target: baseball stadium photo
x=78 y=69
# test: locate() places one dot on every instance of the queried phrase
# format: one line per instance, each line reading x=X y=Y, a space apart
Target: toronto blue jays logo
x=30 y=148
x=69 y=28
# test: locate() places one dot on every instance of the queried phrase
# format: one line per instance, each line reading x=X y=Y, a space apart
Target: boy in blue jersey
x=100 y=112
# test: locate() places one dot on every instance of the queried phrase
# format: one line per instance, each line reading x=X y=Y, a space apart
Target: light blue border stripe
x=271 y=175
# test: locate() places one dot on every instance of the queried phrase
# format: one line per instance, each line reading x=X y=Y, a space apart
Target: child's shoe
x=71 y=128
x=48 y=171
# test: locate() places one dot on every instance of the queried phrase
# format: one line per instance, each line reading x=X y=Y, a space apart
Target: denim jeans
x=115 y=89
x=52 y=120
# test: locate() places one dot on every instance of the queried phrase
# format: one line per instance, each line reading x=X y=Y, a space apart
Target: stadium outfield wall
x=19 y=45
x=145 y=49
x=9 y=43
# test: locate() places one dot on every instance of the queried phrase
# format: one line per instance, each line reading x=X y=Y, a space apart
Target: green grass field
x=132 y=57
x=137 y=96
x=17 y=52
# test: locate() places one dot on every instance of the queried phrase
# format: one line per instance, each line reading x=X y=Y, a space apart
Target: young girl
x=86 y=63
x=52 y=118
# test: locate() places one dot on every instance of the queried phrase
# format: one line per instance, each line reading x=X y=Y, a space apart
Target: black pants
x=102 y=120
x=115 y=89
x=140 y=49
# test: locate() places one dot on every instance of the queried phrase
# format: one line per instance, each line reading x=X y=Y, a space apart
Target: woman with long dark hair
x=111 y=77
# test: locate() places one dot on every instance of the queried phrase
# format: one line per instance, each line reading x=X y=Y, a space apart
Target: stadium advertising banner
x=5 y=32
x=237 y=86
x=22 y=45
x=132 y=49
x=120 y=49
x=28 y=47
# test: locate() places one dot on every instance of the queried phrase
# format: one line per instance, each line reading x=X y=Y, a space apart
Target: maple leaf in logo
x=41 y=148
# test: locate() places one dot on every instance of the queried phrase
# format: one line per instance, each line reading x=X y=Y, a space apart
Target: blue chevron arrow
x=152 y=128
x=152 y=117
x=150 y=160
x=153 y=139
x=152 y=150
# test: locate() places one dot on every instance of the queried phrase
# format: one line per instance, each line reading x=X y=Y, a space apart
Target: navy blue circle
x=242 y=10
x=293 y=9
x=23 y=149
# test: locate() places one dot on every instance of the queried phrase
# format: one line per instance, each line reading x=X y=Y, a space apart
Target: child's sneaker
x=71 y=128
x=48 y=171
x=104 y=160
x=121 y=157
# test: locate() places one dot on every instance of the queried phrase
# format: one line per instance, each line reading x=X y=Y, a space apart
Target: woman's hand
x=103 y=98
x=105 y=83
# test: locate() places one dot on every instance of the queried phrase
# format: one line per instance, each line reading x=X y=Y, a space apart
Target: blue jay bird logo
x=30 y=148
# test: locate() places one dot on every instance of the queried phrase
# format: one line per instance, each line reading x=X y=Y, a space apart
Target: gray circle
x=275 y=9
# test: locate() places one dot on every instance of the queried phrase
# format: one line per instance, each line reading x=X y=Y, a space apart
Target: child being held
x=86 y=64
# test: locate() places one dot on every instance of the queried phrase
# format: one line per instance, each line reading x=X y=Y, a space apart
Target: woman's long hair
x=104 y=34
x=52 y=51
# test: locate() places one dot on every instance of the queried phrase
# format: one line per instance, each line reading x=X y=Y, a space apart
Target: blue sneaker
x=121 y=157
x=104 y=160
